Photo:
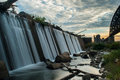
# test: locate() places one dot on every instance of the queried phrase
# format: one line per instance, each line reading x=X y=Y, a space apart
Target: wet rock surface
x=76 y=55
x=3 y=70
x=57 y=71
x=64 y=57
x=86 y=77
x=54 y=65
x=92 y=53
x=59 y=60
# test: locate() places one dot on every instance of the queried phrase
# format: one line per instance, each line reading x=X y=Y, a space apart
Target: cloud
x=3 y=0
x=90 y=32
x=72 y=15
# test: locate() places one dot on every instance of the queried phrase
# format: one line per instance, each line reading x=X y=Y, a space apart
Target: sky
x=74 y=15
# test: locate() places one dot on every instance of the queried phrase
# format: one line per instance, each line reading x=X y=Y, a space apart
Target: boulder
x=92 y=54
x=76 y=55
x=117 y=61
x=65 y=57
x=86 y=77
x=56 y=65
x=3 y=70
x=85 y=56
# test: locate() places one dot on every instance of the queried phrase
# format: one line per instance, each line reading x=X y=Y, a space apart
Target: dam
x=25 y=43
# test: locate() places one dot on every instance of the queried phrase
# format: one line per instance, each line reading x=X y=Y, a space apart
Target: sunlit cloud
x=3 y=0
x=73 y=15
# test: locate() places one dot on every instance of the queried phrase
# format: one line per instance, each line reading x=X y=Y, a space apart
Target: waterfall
x=19 y=38
x=69 y=42
x=17 y=43
x=51 y=41
x=79 y=46
x=35 y=53
x=61 y=41
x=75 y=44
x=45 y=46
x=3 y=55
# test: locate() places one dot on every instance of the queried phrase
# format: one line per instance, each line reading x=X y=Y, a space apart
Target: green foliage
x=98 y=46
x=109 y=59
x=115 y=54
x=114 y=71
x=39 y=19
x=110 y=65
x=114 y=45
x=105 y=46
x=88 y=45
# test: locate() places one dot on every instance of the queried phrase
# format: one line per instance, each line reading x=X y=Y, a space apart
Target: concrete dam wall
x=24 y=42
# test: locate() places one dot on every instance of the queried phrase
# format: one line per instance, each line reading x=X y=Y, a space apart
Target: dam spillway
x=24 y=42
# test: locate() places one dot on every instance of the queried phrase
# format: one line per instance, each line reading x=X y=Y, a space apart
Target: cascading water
x=35 y=53
x=75 y=44
x=79 y=47
x=61 y=41
x=3 y=55
x=51 y=41
x=18 y=44
x=45 y=46
x=69 y=42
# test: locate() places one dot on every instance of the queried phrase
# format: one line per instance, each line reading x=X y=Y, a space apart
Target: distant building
x=97 y=39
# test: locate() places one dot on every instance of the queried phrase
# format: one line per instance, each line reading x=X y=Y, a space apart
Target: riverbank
x=112 y=65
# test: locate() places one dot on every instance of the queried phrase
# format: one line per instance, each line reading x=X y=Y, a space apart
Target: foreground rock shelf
x=40 y=72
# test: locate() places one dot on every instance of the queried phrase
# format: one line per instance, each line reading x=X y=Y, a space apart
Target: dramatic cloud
x=2 y=0
x=73 y=15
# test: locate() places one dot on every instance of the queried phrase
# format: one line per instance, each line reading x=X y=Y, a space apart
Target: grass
x=111 y=66
x=113 y=71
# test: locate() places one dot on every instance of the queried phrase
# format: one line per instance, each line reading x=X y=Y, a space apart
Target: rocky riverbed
x=79 y=68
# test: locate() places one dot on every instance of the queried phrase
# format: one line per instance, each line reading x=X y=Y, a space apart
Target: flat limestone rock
x=89 y=69
x=79 y=60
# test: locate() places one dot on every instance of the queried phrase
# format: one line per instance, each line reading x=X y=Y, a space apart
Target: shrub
x=115 y=54
x=110 y=65
x=113 y=71
x=98 y=46
x=39 y=19
x=106 y=46
x=89 y=45
x=114 y=46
